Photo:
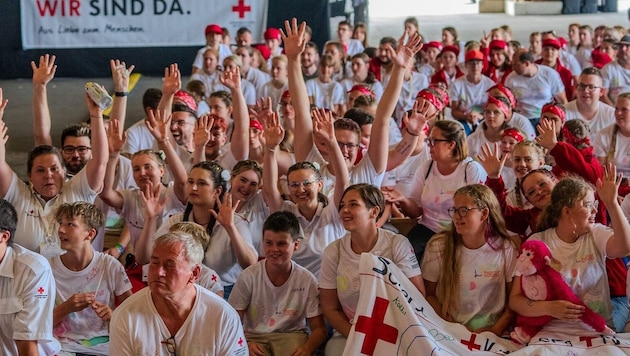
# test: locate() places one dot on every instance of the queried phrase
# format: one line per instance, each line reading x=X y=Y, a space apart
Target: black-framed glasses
x=305 y=183
x=462 y=211
x=349 y=145
x=170 y=345
x=589 y=87
x=81 y=149
x=432 y=141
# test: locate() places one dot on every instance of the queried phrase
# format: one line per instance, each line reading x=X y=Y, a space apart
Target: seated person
x=276 y=296
x=89 y=283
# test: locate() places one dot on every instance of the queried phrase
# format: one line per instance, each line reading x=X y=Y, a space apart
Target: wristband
x=411 y=133
x=121 y=248
x=121 y=93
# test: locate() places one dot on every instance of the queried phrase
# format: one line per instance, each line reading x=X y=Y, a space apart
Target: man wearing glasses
x=174 y=316
x=76 y=148
x=587 y=105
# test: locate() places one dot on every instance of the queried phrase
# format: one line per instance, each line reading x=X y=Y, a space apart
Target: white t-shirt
x=353 y=47
x=324 y=228
x=210 y=81
x=602 y=144
x=583 y=267
x=138 y=138
x=275 y=309
x=583 y=56
x=269 y=90
x=376 y=87
x=106 y=278
x=483 y=275
x=408 y=93
x=257 y=77
x=36 y=216
x=476 y=140
x=568 y=60
x=605 y=115
x=325 y=95
x=27 y=290
x=427 y=69
x=340 y=266
x=616 y=79
x=470 y=96
x=219 y=254
x=248 y=89
x=255 y=212
x=212 y=328
x=435 y=193
x=534 y=92
x=224 y=51
x=403 y=176
x=133 y=205
x=210 y=280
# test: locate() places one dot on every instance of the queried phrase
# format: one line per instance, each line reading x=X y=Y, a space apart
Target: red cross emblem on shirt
x=374 y=328
x=241 y=8
x=240 y=341
x=40 y=290
x=214 y=277
x=471 y=343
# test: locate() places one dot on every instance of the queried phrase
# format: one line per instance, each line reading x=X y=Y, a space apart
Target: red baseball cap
x=433 y=44
x=263 y=49
x=450 y=49
x=551 y=42
x=214 y=28
x=272 y=33
x=474 y=55
x=498 y=44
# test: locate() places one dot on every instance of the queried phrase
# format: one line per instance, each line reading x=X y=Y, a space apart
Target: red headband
x=570 y=137
x=286 y=95
x=430 y=97
x=554 y=109
x=501 y=105
x=255 y=124
x=503 y=89
x=186 y=99
x=513 y=133
x=363 y=90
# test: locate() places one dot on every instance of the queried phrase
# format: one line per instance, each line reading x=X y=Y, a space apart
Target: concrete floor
x=68 y=107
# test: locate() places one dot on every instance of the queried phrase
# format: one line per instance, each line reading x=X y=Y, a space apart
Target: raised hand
x=405 y=51
x=547 y=134
x=3 y=104
x=45 y=72
x=225 y=216
x=203 y=130
x=608 y=185
x=323 y=127
x=96 y=113
x=120 y=74
x=418 y=119
x=392 y=195
x=293 y=37
x=491 y=161
x=485 y=40
x=231 y=79
x=273 y=133
x=151 y=204
x=172 y=80
x=115 y=137
x=158 y=125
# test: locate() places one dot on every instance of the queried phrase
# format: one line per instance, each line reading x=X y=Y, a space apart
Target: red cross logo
x=40 y=290
x=374 y=328
x=240 y=342
x=471 y=343
x=214 y=278
x=241 y=8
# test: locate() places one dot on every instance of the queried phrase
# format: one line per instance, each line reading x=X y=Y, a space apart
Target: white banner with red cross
x=393 y=319
x=134 y=23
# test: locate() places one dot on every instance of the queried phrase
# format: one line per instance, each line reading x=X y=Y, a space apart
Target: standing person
x=214 y=40
x=27 y=285
x=617 y=74
x=568 y=227
x=175 y=316
x=89 y=283
x=361 y=206
x=533 y=85
x=587 y=105
x=477 y=249
x=276 y=297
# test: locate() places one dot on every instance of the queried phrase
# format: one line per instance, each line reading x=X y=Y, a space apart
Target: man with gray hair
x=174 y=316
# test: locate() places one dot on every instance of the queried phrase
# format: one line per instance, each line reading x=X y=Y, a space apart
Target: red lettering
x=50 y=7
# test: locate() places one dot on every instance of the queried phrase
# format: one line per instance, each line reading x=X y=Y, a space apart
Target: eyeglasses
x=348 y=146
x=589 y=87
x=462 y=211
x=181 y=123
x=591 y=205
x=170 y=345
x=305 y=183
x=70 y=149
x=432 y=141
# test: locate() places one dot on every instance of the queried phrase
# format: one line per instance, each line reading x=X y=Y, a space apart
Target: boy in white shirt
x=89 y=283
x=323 y=91
x=276 y=296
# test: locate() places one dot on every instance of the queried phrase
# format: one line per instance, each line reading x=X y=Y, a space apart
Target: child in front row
x=89 y=283
x=276 y=296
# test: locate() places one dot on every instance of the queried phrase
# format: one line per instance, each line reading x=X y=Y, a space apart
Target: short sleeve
x=37 y=294
x=313 y=306
x=405 y=257
x=330 y=263
x=241 y=294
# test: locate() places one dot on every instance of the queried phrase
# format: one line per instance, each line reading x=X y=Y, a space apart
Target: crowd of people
x=248 y=194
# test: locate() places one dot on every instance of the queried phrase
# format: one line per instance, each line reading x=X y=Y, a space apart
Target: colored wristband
x=120 y=247
x=121 y=93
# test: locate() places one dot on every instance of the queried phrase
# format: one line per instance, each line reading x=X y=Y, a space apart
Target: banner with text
x=393 y=318
x=134 y=23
